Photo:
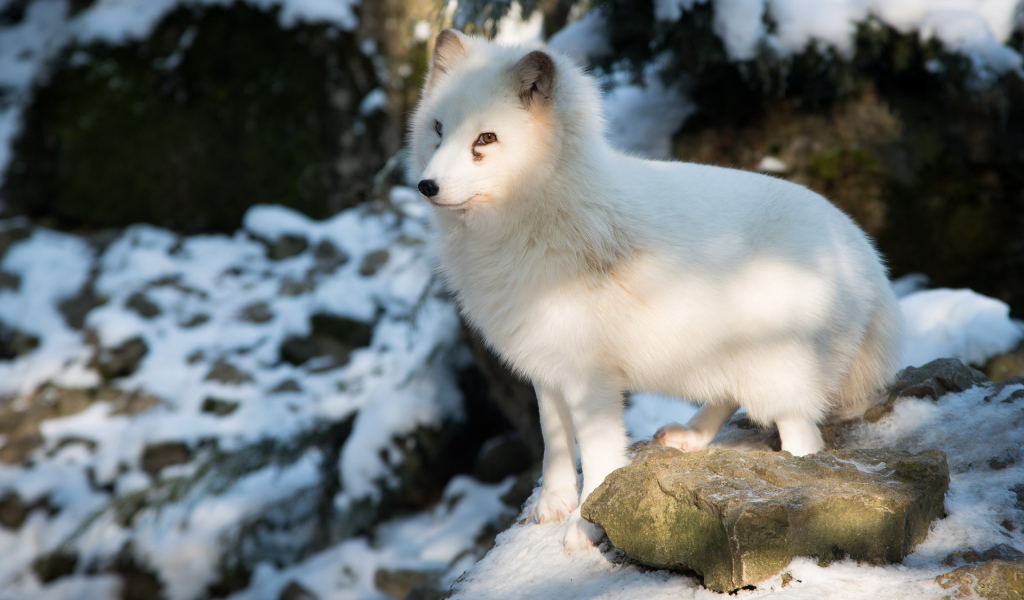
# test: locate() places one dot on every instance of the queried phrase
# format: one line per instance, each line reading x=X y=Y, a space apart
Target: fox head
x=486 y=127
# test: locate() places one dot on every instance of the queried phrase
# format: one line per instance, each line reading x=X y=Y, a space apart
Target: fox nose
x=428 y=187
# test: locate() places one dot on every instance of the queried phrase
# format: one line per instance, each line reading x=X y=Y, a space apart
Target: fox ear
x=449 y=50
x=534 y=77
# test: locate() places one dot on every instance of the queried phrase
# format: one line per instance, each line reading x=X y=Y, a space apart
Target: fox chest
x=540 y=330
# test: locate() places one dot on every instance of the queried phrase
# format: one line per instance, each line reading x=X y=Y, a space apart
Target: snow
x=513 y=29
x=117 y=21
x=672 y=10
x=646 y=413
x=583 y=40
x=404 y=379
x=956 y=323
x=52 y=266
x=430 y=543
x=771 y=164
x=528 y=560
x=977 y=29
x=643 y=117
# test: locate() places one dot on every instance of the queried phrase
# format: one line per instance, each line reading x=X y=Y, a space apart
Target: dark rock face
x=219 y=109
x=513 y=396
x=739 y=518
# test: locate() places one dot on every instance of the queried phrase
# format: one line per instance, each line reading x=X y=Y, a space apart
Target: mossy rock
x=219 y=109
x=738 y=518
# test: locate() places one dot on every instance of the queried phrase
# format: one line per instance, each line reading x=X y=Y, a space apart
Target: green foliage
x=217 y=110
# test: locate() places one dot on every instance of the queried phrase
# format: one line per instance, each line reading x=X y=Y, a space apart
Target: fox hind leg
x=699 y=430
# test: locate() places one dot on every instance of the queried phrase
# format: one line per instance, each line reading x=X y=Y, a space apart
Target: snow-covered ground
x=982 y=436
x=213 y=312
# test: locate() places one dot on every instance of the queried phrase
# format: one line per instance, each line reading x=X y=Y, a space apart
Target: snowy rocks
x=739 y=518
x=997 y=574
x=933 y=380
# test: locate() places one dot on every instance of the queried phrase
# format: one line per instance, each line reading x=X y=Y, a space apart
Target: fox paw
x=553 y=506
x=682 y=437
x=581 y=535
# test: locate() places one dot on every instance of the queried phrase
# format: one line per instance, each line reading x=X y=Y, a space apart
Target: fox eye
x=486 y=138
x=437 y=127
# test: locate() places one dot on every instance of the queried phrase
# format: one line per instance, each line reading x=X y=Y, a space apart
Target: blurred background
x=226 y=366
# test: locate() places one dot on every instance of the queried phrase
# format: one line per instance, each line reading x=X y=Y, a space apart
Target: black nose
x=428 y=187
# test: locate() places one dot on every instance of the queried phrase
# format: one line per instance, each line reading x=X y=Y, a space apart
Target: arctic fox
x=593 y=272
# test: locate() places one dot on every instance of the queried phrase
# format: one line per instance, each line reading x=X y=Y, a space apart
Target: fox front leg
x=596 y=410
x=559 y=492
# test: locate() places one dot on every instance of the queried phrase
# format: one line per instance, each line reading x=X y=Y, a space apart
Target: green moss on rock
x=739 y=518
x=219 y=109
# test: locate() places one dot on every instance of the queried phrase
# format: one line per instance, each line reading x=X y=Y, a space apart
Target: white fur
x=592 y=272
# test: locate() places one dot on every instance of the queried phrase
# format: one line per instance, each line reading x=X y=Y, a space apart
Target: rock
x=53 y=566
x=373 y=262
x=522 y=489
x=9 y=281
x=65 y=401
x=514 y=397
x=500 y=457
x=227 y=373
x=122 y=360
x=739 y=518
x=1018 y=490
x=288 y=385
x=400 y=583
x=12 y=511
x=997 y=390
x=127 y=403
x=287 y=246
x=142 y=305
x=933 y=380
x=75 y=308
x=21 y=436
x=14 y=343
x=293 y=287
x=1007 y=365
x=151 y=130
x=155 y=458
x=997 y=579
x=328 y=257
x=257 y=312
x=218 y=406
x=332 y=338
x=194 y=321
x=997 y=552
x=294 y=591
x=138 y=580
x=20 y=428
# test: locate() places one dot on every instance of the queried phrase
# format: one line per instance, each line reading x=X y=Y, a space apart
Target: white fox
x=593 y=272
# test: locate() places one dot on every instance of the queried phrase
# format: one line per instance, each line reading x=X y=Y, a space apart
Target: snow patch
x=962 y=324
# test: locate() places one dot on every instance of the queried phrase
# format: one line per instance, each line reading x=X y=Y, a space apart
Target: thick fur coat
x=593 y=272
